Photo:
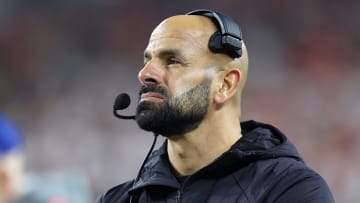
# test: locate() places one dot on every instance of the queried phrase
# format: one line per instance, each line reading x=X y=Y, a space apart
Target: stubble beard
x=174 y=116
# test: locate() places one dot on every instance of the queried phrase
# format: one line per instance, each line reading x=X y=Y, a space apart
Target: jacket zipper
x=180 y=191
x=178 y=196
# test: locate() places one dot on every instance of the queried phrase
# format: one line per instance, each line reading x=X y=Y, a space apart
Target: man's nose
x=150 y=74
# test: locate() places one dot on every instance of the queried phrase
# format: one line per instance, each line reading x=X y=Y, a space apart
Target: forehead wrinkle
x=188 y=38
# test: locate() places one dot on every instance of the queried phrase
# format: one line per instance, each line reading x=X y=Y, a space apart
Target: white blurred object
x=55 y=188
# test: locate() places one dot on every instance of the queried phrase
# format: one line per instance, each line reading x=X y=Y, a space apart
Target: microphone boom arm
x=121 y=116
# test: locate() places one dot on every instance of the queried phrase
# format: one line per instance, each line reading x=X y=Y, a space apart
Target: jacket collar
x=157 y=171
x=259 y=141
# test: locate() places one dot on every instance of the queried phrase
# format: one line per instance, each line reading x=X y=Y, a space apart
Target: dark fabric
x=263 y=166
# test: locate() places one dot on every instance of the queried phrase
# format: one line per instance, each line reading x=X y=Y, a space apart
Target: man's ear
x=228 y=85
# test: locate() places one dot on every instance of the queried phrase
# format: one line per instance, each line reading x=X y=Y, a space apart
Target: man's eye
x=172 y=61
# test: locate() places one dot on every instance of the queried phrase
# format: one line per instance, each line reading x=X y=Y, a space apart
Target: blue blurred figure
x=18 y=187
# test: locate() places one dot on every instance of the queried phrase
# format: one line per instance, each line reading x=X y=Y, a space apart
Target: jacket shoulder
x=116 y=194
x=283 y=180
x=301 y=185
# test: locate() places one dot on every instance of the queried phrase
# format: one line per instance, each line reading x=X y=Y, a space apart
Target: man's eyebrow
x=165 y=52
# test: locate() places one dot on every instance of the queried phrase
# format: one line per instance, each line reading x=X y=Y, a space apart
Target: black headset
x=228 y=40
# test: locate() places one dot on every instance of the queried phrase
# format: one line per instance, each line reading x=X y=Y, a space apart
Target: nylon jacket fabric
x=262 y=167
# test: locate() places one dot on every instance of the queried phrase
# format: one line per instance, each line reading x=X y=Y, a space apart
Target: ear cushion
x=216 y=45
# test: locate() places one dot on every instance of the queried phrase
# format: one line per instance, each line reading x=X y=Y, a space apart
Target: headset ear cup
x=228 y=39
x=215 y=44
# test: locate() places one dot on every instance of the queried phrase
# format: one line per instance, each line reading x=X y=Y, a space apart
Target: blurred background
x=63 y=62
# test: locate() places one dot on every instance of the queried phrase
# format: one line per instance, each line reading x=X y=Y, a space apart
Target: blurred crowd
x=62 y=63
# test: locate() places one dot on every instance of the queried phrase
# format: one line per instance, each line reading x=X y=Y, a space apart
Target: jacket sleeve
x=303 y=186
x=118 y=194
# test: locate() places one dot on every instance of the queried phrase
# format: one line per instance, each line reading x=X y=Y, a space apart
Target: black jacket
x=263 y=166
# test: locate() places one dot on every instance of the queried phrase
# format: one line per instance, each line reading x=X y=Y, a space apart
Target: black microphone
x=122 y=101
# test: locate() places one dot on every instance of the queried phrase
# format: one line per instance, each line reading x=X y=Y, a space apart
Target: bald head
x=221 y=36
x=192 y=22
x=197 y=29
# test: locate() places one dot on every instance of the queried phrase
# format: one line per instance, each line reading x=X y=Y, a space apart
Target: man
x=191 y=94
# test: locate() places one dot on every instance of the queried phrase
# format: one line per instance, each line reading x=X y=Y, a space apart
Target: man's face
x=176 y=78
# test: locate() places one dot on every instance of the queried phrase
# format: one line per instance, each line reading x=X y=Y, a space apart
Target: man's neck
x=193 y=151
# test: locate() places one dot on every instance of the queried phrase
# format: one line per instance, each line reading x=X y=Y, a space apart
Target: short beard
x=175 y=115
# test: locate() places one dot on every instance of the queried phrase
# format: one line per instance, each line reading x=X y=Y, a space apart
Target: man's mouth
x=151 y=96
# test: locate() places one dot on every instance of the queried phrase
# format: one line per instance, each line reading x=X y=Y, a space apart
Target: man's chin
x=144 y=123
